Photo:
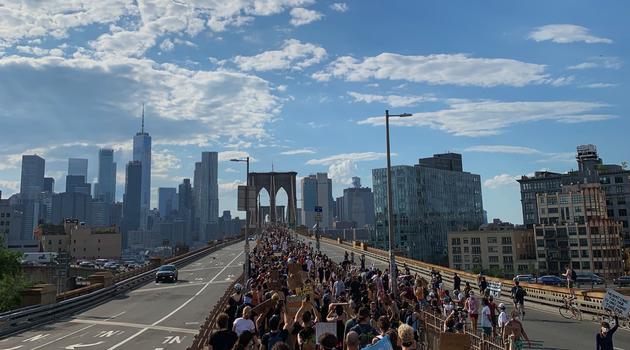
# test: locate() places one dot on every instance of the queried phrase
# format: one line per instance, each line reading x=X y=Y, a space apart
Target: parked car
x=525 y=278
x=589 y=278
x=87 y=264
x=623 y=281
x=550 y=280
x=166 y=273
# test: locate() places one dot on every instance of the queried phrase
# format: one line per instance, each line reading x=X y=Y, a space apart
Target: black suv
x=166 y=273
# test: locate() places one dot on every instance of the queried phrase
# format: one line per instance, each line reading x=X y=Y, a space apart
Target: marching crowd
x=295 y=290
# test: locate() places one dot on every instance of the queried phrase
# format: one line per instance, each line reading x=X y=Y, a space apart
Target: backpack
x=520 y=293
x=573 y=275
x=273 y=339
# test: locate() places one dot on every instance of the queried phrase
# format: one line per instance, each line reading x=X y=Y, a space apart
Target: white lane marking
x=208 y=268
x=75 y=332
x=74 y=346
x=173 y=340
x=137 y=325
x=190 y=283
x=178 y=308
x=14 y=348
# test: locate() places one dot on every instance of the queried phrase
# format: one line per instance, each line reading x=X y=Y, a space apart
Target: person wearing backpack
x=276 y=334
x=518 y=296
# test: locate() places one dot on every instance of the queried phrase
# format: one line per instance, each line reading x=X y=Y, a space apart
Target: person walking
x=603 y=339
x=514 y=333
x=457 y=281
x=472 y=306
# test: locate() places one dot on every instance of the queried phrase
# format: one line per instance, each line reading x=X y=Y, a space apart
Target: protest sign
x=325 y=327
x=494 y=288
x=294 y=268
x=304 y=290
x=616 y=302
x=294 y=282
x=383 y=344
x=263 y=307
x=274 y=280
x=454 y=341
x=293 y=305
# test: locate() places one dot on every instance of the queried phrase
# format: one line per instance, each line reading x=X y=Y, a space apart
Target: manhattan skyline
x=513 y=88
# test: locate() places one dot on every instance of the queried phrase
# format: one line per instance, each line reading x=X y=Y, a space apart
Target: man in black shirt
x=456 y=282
x=275 y=335
x=224 y=338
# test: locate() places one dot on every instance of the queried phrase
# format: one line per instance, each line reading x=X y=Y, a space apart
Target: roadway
x=161 y=316
x=544 y=325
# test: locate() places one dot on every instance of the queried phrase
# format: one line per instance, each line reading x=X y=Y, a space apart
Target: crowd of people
x=295 y=290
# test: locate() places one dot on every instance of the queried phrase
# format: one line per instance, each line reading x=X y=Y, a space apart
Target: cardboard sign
x=494 y=288
x=294 y=268
x=616 y=302
x=274 y=280
x=325 y=327
x=304 y=290
x=294 y=282
x=454 y=341
x=263 y=307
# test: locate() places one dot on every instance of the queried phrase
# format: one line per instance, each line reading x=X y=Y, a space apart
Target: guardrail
x=201 y=338
x=588 y=301
x=21 y=319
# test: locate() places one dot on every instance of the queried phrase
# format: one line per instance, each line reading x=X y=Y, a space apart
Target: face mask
x=604 y=330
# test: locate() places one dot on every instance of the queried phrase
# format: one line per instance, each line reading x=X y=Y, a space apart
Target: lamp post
x=246 y=266
x=393 y=270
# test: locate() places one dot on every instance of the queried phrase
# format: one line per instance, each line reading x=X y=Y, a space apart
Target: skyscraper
x=317 y=191
x=167 y=201
x=32 y=178
x=77 y=183
x=31 y=185
x=78 y=167
x=142 y=153
x=132 y=199
x=105 y=189
x=358 y=204
x=49 y=184
x=207 y=201
x=429 y=200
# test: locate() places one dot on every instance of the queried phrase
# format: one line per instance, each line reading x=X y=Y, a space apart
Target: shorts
x=569 y=284
x=473 y=318
x=487 y=330
x=516 y=344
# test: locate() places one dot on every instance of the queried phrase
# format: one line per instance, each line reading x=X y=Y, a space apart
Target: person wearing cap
x=603 y=339
x=276 y=334
x=503 y=318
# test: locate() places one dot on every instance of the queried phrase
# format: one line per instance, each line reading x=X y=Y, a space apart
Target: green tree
x=11 y=279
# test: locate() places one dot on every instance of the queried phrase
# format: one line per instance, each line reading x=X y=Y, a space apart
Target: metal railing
x=210 y=324
x=433 y=323
x=21 y=319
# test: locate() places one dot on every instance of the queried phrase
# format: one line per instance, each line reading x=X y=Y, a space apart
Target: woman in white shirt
x=244 y=323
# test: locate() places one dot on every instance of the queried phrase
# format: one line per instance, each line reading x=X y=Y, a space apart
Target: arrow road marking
x=72 y=347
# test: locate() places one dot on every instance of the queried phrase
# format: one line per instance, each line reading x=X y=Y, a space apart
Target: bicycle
x=568 y=310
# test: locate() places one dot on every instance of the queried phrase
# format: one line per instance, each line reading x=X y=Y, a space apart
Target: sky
x=302 y=85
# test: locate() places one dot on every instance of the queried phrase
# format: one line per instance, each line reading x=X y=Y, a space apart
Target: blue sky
x=301 y=84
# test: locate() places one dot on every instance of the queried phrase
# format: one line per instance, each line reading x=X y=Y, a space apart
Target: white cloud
x=598 y=62
x=230 y=170
x=184 y=107
x=167 y=45
x=339 y=7
x=298 y=151
x=484 y=118
x=566 y=33
x=293 y=55
x=341 y=167
x=502 y=149
x=227 y=155
x=456 y=69
x=391 y=100
x=598 y=85
x=230 y=186
x=163 y=163
x=301 y=16
x=502 y=180
x=9 y=187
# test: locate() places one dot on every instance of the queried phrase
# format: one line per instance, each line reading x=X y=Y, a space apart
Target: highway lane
x=547 y=329
x=160 y=316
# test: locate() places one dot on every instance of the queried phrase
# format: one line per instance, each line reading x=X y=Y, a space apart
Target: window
x=582 y=231
x=618 y=179
x=456 y=250
x=476 y=250
x=575 y=265
x=465 y=240
x=493 y=249
x=455 y=241
x=539 y=243
x=507 y=259
x=466 y=250
x=506 y=240
x=475 y=241
x=458 y=266
x=507 y=249
x=621 y=201
x=457 y=258
x=59 y=241
x=598 y=265
x=575 y=254
x=539 y=232
x=583 y=242
x=584 y=253
x=610 y=213
x=493 y=259
x=494 y=267
x=523 y=268
x=553 y=210
x=492 y=240
x=50 y=243
x=508 y=267
x=586 y=265
x=623 y=212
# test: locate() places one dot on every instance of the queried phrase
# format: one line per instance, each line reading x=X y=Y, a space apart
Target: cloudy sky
x=301 y=84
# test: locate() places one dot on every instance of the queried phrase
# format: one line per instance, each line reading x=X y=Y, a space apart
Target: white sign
x=325 y=327
x=494 y=288
x=616 y=302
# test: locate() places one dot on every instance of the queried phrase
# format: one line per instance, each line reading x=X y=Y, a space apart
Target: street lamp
x=393 y=270
x=246 y=266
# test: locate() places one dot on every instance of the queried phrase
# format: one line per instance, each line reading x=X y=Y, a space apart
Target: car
x=166 y=273
x=623 y=281
x=525 y=278
x=588 y=278
x=87 y=264
x=550 y=280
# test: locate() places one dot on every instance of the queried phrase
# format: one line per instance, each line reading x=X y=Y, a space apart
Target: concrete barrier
x=39 y=294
